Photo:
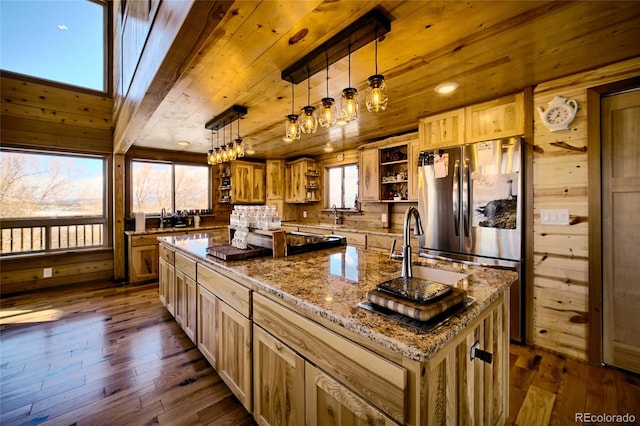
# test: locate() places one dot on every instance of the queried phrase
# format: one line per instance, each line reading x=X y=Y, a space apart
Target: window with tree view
x=343 y=186
x=174 y=187
x=51 y=201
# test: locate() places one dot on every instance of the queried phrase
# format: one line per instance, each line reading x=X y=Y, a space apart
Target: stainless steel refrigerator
x=470 y=200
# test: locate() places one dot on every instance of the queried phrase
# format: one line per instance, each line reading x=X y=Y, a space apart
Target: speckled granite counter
x=329 y=284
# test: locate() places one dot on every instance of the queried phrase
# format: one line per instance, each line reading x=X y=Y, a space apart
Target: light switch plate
x=47 y=272
x=554 y=216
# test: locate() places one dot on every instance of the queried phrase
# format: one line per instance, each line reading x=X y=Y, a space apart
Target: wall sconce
x=377 y=97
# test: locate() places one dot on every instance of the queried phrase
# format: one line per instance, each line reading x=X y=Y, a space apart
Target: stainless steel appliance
x=471 y=204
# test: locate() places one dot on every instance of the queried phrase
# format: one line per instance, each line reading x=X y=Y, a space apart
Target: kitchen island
x=287 y=336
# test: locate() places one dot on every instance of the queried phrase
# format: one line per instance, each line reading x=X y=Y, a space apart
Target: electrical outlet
x=304 y=214
x=47 y=273
x=383 y=218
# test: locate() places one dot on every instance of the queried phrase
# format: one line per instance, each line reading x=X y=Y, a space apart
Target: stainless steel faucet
x=336 y=218
x=406 y=271
x=163 y=213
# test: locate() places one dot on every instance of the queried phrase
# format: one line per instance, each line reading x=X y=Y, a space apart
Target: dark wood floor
x=104 y=354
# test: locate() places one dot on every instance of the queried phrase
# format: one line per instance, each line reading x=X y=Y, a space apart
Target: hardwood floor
x=104 y=354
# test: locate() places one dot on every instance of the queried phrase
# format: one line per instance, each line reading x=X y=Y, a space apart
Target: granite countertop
x=330 y=283
x=169 y=229
x=337 y=228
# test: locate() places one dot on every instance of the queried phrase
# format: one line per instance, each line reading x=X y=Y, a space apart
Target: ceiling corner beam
x=233 y=113
x=359 y=33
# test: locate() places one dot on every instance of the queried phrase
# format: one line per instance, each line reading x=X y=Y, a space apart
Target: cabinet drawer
x=353 y=238
x=167 y=254
x=379 y=381
x=185 y=265
x=234 y=294
x=144 y=240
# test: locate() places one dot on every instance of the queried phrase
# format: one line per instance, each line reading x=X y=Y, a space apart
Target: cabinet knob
x=483 y=356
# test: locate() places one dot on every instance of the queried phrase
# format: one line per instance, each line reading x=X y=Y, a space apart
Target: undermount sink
x=303 y=242
x=438 y=275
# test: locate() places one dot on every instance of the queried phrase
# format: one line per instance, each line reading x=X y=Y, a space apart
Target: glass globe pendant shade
x=377 y=98
x=309 y=120
x=231 y=151
x=328 y=112
x=292 y=131
x=211 y=158
x=239 y=148
x=349 y=104
x=218 y=155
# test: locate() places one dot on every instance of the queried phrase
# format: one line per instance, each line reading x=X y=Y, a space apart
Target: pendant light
x=309 y=121
x=348 y=100
x=225 y=154
x=239 y=147
x=377 y=97
x=211 y=158
x=328 y=111
x=231 y=150
x=218 y=153
x=292 y=124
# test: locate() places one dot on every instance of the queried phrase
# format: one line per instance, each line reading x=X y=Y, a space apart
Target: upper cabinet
x=499 y=118
x=302 y=181
x=369 y=175
x=242 y=182
x=442 y=130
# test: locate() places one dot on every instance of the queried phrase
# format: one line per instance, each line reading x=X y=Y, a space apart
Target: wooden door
x=241 y=183
x=330 y=403
x=621 y=229
x=278 y=382
x=234 y=355
x=258 y=190
x=207 y=326
x=167 y=285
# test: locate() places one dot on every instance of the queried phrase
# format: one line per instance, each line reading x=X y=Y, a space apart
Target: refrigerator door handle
x=466 y=212
x=455 y=198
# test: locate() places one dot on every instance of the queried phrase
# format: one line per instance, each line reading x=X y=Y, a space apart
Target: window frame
x=49 y=222
x=326 y=203
x=129 y=182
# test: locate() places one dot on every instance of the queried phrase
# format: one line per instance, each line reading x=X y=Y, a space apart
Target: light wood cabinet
x=275 y=189
x=330 y=403
x=369 y=175
x=414 y=152
x=207 y=325
x=234 y=355
x=247 y=182
x=185 y=307
x=167 y=285
x=143 y=258
x=302 y=181
x=278 y=377
x=499 y=118
x=442 y=130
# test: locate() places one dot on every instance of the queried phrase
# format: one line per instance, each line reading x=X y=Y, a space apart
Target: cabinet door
x=330 y=403
x=295 y=185
x=414 y=151
x=442 y=130
x=278 y=380
x=181 y=289
x=167 y=285
x=234 y=356
x=207 y=326
x=258 y=191
x=275 y=180
x=143 y=264
x=189 y=313
x=241 y=182
x=495 y=119
x=369 y=175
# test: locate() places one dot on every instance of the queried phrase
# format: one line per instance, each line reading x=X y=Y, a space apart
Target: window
x=343 y=186
x=51 y=201
x=63 y=41
x=174 y=187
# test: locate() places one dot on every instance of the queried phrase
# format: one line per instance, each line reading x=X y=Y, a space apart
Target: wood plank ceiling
x=490 y=48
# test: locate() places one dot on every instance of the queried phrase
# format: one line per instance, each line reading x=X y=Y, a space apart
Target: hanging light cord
x=376 y=35
x=327 y=76
x=349 y=64
x=238 y=126
x=292 y=95
x=308 y=88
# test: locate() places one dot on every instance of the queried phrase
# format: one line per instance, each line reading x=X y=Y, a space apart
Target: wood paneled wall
x=37 y=115
x=560 y=179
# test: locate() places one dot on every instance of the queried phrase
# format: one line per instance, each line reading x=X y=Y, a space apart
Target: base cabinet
x=186 y=300
x=167 y=285
x=278 y=382
x=207 y=326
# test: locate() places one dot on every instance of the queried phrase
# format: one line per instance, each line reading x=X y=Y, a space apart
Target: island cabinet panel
x=459 y=389
x=185 y=307
x=380 y=382
x=442 y=130
x=330 y=403
x=234 y=294
x=278 y=382
x=498 y=118
x=167 y=285
x=207 y=325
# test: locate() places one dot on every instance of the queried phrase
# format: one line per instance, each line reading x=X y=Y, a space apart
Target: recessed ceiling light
x=183 y=143
x=249 y=151
x=447 y=87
